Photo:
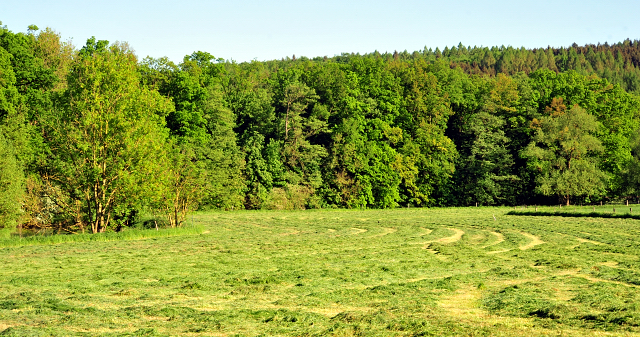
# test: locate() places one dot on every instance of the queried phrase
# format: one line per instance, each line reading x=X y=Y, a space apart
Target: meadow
x=476 y=271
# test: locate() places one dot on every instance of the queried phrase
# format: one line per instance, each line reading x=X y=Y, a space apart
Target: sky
x=245 y=30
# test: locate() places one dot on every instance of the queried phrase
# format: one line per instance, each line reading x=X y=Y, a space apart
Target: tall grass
x=12 y=240
x=570 y=214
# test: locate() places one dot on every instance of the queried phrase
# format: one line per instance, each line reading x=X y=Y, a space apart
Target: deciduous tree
x=564 y=152
x=106 y=137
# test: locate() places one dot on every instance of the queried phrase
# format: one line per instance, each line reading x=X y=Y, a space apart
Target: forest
x=93 y=137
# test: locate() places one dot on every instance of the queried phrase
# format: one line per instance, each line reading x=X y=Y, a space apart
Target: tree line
x=91 y=138
x=618 y=63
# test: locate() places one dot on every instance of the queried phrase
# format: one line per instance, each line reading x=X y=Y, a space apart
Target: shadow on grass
x=577 y=214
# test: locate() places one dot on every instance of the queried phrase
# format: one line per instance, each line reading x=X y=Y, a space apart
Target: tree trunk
x=175 y=217
x=286 y=125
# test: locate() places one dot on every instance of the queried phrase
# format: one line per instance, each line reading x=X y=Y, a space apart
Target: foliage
x=11 y=184
x=617 y=63
x=106 y=139
x=484 y=174
x=207 y=157
x=11 y=142
x=615 y=110
x=562 y=150
x=381 y=130
x=631 y=173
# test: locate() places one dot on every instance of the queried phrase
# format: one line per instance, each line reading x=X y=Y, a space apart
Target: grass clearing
x=403 y=272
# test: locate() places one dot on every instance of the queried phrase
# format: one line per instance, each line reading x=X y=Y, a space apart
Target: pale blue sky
x=249 y=29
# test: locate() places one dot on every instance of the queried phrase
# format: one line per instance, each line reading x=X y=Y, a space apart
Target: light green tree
x=564 y=151
x=107 y=144
x=180 y=185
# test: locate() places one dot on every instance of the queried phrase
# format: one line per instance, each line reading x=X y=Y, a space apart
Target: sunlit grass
x=620 y=211
x=404 y=272
x=9 y=239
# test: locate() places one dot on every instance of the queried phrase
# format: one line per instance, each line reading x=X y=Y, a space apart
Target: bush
x=288 y=198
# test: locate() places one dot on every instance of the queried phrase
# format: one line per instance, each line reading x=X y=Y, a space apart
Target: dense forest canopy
x=92 y=137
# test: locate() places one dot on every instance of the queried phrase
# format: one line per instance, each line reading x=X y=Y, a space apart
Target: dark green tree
x=630 y=176
x=11 y=184
x=485 y=172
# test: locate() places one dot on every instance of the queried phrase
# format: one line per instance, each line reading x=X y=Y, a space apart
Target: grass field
x=403 y=272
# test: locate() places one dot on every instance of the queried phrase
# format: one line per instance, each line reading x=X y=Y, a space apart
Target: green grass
x=8 y=239
x=607 y=211
x=404 y=272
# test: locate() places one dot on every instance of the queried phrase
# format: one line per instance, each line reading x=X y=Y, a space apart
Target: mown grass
x=404 y=272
